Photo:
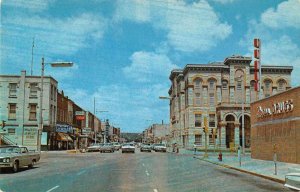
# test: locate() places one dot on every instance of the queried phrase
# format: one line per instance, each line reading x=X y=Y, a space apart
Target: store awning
x=63 y=137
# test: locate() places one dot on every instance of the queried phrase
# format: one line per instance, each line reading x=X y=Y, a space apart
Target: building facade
x=20 y=104
x=275 y=127
x=215 y=96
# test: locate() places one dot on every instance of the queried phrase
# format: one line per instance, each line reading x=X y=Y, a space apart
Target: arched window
x=211 y=90
x=267 y=87
x=281 y=84
x=224 y=84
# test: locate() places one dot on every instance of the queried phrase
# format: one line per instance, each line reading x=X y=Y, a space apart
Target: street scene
x=149 y=95
x=60 y=171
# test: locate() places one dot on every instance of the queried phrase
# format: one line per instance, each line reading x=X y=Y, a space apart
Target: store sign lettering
x=277 y=108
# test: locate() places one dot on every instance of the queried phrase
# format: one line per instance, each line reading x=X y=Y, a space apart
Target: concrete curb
x=244 y=171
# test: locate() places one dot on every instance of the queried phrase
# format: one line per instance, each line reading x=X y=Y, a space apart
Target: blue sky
x=124 y=50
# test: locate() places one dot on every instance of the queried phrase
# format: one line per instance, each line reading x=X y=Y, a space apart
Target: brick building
x=275 y=127
x=214 y=94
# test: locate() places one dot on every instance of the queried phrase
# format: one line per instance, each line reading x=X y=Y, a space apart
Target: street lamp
x=240 y=79
x=96 y=111
x=53 y=64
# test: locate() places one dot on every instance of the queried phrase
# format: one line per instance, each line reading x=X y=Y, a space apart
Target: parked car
x=94 y=147
x=107 y=147
x=145 y=148
x=292 y=181
x=128 y=148
x=15 y=157
x=160 y=147
x=117 y=145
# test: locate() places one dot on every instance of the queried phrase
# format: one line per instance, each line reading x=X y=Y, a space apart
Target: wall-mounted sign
x=86 y=131
x=64 y=128
x=80 y=115
x=277 y=108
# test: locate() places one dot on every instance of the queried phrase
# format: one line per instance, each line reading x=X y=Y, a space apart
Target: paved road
x=139 y=172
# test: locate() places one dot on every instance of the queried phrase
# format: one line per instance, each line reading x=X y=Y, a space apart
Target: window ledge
x=33 y=97
x=32 y=119
x=12 y=96
x=11 y=119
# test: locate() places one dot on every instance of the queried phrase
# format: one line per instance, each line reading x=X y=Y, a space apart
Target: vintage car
x=14 y=157
x=116 y=145
x=107 y=147
x=292 y=181
x=145 y=147
x=160 y=147
x=94 y=147
x=128 y=148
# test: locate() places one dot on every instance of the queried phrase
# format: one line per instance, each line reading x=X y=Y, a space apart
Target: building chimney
x=162 y=122
x=23 y=73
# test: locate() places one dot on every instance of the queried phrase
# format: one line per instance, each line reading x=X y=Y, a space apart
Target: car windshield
x=10 y=150
x=160 y=145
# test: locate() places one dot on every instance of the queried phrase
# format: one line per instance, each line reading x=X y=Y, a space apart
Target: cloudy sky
x=124 y=50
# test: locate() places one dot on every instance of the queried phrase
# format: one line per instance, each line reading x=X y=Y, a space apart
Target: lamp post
x=53 y=64
x=240 y=79
x=96 y=111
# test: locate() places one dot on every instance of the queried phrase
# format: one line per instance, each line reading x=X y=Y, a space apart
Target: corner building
x=215 y=93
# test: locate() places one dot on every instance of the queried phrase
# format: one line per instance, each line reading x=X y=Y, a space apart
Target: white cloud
x=128 y=107
x=278 y=48
x=190 y=27
x=224 y=1
x=57 y=36
x=148 y=66
x=286 y=15
x=31 y=5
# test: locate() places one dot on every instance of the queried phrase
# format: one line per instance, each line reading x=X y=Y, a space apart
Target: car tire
x=15 y=167
x=30 y=166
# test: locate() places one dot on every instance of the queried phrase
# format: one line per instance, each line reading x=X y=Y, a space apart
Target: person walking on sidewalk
x=195 y=148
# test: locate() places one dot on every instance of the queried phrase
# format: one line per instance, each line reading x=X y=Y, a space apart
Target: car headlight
x=6 y=160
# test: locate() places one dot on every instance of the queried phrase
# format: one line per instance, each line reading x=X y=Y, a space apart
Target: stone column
x=236 y=134
x=222 y=135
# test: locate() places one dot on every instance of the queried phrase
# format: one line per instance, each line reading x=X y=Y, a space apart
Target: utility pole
x=205 y=131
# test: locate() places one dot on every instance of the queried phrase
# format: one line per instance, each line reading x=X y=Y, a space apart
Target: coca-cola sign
x=277 y=108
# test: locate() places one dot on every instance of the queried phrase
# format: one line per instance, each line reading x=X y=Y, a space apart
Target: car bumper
x=128 y=150
x=146 y=149
x=160 y=149
x=3 y=165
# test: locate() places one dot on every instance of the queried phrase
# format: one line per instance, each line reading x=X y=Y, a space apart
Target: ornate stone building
x=215 y=94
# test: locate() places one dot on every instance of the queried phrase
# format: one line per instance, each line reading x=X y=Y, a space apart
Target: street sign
x=86 y=131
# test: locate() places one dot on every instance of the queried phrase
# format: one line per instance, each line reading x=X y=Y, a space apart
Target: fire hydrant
x=220 y=156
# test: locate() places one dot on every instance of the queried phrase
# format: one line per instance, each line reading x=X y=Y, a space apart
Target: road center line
x=143 y=165
x=155 y=190
x=147 y=173
x=57 y=186
x=81 y=172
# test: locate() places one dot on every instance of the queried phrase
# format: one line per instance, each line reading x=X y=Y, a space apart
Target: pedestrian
x=195 y=148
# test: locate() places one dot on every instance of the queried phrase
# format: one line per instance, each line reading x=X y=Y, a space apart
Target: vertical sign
x=257 y=64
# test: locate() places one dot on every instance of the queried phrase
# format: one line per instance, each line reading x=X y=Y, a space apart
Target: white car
x=128 y=148
x=160 y=147
x=292 y=181
x=94 y=147
x=116 y=145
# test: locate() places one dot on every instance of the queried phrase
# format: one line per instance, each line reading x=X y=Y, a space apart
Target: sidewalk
x=261 y=168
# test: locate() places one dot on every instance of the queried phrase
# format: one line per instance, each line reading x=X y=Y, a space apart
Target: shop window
x=12 y=110
x=32 y=112
x=198 y=118
x=13 y=90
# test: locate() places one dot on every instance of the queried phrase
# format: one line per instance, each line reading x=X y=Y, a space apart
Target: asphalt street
x=139 y=172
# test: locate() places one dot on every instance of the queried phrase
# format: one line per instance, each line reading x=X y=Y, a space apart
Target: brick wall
x=282 y=129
